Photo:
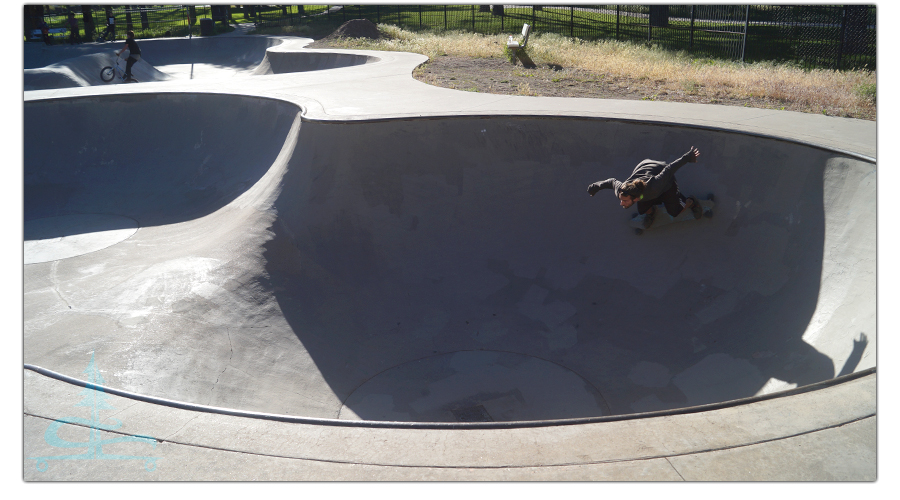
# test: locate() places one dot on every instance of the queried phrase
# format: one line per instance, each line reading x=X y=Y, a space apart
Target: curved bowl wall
x=439 y=269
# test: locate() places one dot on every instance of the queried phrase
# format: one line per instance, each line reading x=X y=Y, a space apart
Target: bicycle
x=108 y=73
x=108 y=35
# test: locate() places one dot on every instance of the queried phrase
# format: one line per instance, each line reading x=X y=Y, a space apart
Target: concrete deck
x=306 y=265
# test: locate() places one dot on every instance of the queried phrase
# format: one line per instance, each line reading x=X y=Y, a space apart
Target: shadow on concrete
x=416 y=239
x=439 y=269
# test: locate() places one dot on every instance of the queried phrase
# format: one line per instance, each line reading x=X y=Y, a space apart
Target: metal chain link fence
x=815 y=36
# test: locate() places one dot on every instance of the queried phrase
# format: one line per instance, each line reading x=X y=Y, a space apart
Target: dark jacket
x=132 y=46
x=658 y=175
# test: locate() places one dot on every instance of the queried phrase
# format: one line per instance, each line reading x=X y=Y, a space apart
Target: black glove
x=593 y=188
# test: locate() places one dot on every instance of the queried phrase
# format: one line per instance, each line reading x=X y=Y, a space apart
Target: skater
x=653 y=183
x=134 y=54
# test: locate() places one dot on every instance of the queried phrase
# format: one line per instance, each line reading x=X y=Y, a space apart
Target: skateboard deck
x=663 y=218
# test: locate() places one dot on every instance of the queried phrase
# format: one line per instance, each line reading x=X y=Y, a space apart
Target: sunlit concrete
x=321 y=236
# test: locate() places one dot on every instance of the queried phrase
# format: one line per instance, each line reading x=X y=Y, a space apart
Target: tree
x=87 y=17
x=145 y=23
x=32 y=14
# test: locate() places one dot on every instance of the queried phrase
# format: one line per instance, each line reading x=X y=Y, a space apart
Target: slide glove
x=593 y=188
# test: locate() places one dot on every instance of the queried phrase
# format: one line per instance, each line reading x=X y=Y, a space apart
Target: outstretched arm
x=597 y=186
x=692 y=155
x=670 y=169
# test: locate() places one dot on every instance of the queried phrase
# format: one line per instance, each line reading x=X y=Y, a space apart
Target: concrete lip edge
x=51 y=240
x=454 y=425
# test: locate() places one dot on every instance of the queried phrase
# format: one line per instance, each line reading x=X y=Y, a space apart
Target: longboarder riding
x=653 y=183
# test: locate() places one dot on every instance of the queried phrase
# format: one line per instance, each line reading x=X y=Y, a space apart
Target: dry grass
x=843 y=93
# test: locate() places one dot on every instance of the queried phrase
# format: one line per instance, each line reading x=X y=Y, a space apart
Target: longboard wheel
x=708 y=214
x=638 y=231
x=710 y=197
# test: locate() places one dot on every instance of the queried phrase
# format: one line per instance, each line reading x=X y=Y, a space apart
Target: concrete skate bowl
x=166 y=59
x=156 y=159
x=435 y=271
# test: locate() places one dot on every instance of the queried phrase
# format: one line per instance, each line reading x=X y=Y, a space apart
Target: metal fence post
x=618 y=8
x=572 y=21
x=843 y=36
x=746 y=27
x=693 y=18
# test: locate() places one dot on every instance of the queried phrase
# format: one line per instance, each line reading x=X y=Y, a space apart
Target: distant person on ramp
x=653 y=183
x=134 y=54
x=73 y=29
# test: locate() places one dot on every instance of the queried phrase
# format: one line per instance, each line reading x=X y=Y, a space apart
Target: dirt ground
x=499 y=76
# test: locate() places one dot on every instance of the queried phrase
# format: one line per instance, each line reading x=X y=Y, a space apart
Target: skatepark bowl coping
x=179 y=59
x=433 y=270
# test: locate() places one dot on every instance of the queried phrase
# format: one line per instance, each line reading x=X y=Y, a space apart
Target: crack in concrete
x=227 y=365
x=55 y=283
x=675 y=469
x=165 y=439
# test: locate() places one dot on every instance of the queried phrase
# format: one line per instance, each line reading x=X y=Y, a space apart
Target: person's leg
x=675 y=202
x=128 y=64
x=648 y=209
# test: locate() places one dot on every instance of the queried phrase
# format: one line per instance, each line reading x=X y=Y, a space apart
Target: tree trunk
x=33 y=13
x=87 y=18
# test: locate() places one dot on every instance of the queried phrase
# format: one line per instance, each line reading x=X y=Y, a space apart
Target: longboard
x=663 y=218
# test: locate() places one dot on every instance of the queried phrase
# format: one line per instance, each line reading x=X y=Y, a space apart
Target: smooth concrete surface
x=352 y=243
x=819 y=436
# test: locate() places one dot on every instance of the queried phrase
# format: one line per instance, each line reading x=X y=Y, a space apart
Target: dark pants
x=672 y=199
x=129 y=63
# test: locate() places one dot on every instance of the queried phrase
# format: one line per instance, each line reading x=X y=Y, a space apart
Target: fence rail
x=821 y=36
